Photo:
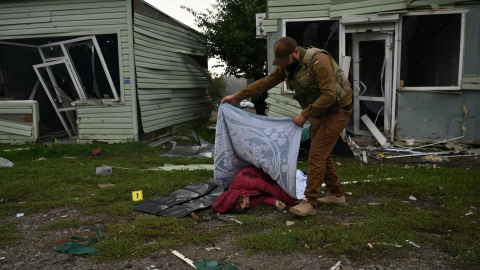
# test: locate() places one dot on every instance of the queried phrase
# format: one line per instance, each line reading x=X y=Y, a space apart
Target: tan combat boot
x=332 y=199
x=304 y=208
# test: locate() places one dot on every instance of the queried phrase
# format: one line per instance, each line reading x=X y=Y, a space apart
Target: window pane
x=60 y=86
x=50 y=52
x=430 y=50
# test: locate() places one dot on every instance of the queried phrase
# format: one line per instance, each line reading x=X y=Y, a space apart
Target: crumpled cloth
x=244 y=139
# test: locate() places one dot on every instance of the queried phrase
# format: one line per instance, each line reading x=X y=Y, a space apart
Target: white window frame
x=70 y=125
x=461 y=51
x=68 y=60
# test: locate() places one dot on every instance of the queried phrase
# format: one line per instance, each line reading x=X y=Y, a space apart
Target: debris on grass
x=183 y=258
x=96 y=152
x=105 y=185
x=386 y=244
x=237 y=221
x=104 y=171
x=5 y=163
x=337 y=266
x=78 y=245
x=195 y=216
x=212 y=265
x=364 y=157
x=412 y=243
x=434 y=158
x=212 y=248
x=373 y=204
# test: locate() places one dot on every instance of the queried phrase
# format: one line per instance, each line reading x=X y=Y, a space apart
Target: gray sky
x=172 y=8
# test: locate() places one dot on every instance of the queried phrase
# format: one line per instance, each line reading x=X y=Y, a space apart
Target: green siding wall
x=287 y=9
x=282 y=105
x=22 y=19
x=65 y=18
x=18 y=121
x=171 y=91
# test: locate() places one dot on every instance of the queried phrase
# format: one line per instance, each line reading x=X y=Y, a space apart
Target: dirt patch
x=34 y=250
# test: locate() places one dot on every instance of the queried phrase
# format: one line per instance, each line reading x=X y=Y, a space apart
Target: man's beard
x=292 y=67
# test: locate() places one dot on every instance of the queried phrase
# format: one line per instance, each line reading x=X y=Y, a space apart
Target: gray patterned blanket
x=243 y=139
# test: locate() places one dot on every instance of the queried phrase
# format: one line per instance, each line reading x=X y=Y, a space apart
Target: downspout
x=133 y=74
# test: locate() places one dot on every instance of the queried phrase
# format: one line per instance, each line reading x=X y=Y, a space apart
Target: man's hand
x=299 y=120
x=229 y=99
x=279 y=205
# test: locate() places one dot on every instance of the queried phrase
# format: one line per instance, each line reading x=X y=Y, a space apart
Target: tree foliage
x=217 y=89
x=230 y=30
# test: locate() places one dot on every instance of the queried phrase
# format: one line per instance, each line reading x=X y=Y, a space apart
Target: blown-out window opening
x=85 y=55
x=431 y=51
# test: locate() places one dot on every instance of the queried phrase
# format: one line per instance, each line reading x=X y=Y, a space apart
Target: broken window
x=68 y=69
x=57 y=80
x=320 y=34
x=431 y=51
x=86 y=58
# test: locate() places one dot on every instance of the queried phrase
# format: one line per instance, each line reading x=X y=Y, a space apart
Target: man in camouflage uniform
x=325 y=96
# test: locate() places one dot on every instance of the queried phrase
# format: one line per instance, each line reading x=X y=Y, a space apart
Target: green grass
x=8 y=235
x=436 y=220
x=60 y=224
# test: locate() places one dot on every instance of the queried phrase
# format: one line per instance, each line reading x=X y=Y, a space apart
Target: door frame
x=387 y=79
x=374 y=23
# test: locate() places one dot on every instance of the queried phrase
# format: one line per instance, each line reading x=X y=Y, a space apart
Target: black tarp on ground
x=182 y=202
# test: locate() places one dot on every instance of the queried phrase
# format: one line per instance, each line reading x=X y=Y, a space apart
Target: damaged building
x=98 y=70
x=414 y=65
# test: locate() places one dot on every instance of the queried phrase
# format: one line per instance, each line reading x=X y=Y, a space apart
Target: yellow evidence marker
x=137 y=195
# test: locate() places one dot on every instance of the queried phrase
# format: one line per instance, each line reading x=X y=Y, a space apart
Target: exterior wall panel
x=171 y=90
x=19 y=121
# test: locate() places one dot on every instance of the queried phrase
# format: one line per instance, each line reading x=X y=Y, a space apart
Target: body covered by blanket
x=243 y=139
x=254 y=184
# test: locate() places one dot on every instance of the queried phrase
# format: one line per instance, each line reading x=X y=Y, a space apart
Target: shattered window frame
x=67 y=57
x=60 y=100
x=402 y=69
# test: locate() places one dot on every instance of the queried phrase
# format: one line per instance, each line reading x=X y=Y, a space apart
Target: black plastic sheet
x=182 y=202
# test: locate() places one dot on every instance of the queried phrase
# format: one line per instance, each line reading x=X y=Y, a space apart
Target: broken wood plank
x=378 y=135
x=185 y=259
